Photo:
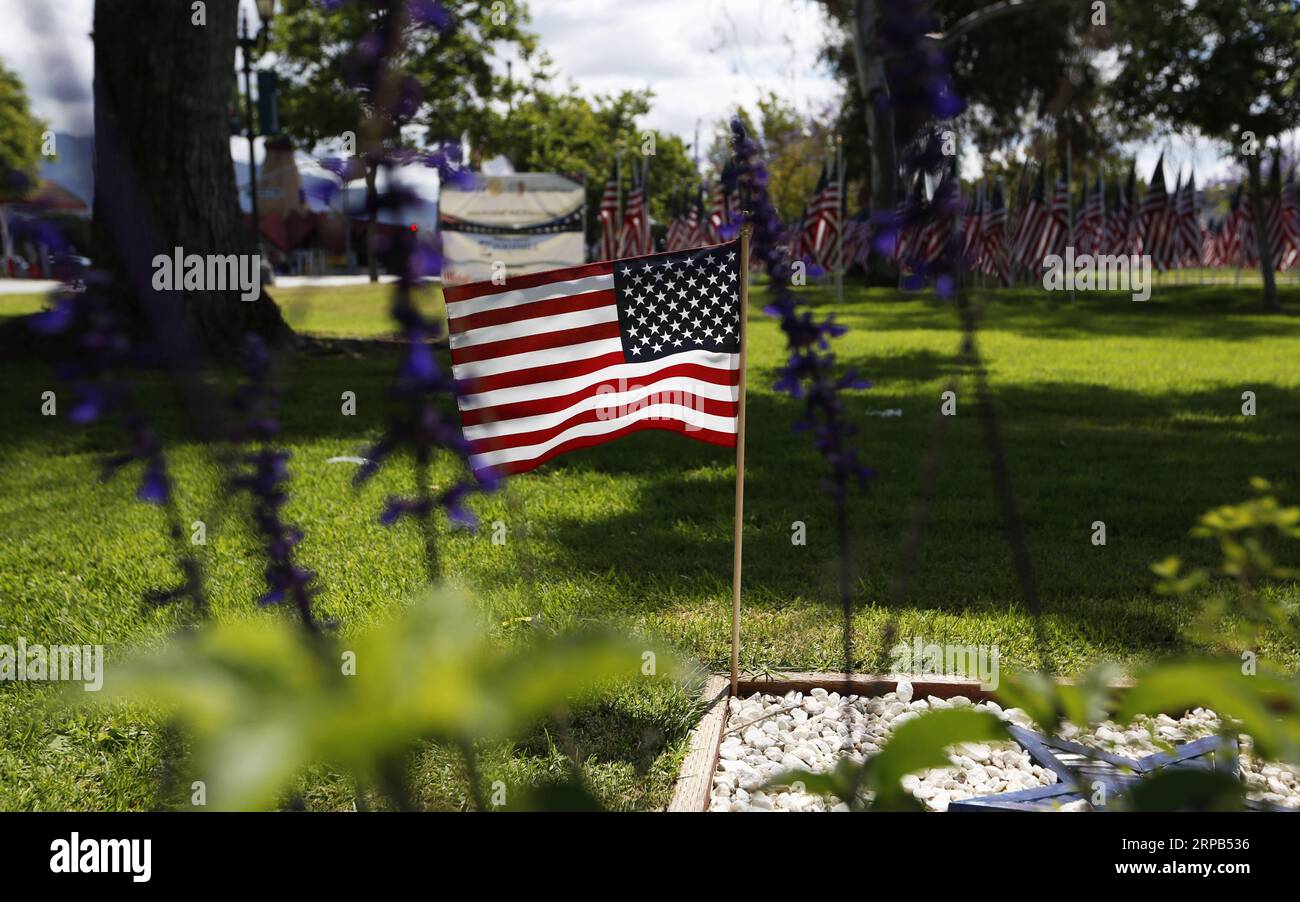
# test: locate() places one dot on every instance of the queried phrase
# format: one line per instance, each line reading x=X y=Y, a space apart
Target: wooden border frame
x=864 y=684
x=695 y=779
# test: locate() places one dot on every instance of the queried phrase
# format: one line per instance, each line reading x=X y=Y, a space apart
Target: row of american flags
x=996 y=240
x=1001 y=243
x=626 y=232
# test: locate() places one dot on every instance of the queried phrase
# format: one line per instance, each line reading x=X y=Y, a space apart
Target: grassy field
x=344 y=311
x=1114 y=411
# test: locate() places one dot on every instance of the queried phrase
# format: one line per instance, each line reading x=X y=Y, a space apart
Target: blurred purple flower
x=265 y=478
x=809 y=371
x=430 y=14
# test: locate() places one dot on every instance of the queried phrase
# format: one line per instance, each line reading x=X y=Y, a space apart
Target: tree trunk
x=372 y=220
x=874 y=88
x=164 y=175
x=1260 y=213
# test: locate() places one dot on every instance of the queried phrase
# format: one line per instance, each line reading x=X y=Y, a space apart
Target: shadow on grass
x=1213 y=312
x=1145 y=466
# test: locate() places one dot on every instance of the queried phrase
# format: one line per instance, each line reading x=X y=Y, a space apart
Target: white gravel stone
x=769 y=736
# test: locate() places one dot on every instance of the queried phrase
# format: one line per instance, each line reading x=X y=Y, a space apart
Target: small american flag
x=1118 y=222
x=1290 y=223
x=993 y=235
x=555 y=361
x=1152 y=228
x=609 y=223
x=819 y=238
x=634 y=239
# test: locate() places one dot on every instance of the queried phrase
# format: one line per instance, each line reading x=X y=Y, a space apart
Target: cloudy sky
x=700 y=57
x=727 y=52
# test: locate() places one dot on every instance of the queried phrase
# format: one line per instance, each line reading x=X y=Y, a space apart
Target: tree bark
x=163 y=172
x=874 y=89
x=1260 y=214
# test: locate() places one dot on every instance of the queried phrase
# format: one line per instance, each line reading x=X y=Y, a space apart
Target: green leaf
x=923 y=743
x=1255 y=701
x=843 y=782
x=1186 y=789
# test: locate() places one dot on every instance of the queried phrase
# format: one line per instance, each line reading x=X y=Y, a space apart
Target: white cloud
x=48 y=45
x=701 y=58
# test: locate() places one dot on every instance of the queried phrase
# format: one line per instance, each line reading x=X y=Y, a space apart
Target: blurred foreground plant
x=1248 y=534
x=1262 y=703
x=261 y=703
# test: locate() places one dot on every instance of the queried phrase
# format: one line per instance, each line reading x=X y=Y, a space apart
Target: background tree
x=548 y=130
x=1014 y=75
x=1222 y=67
x=447 y=79
x=796 y=146
x=20 y=146
x=162 y=147
x=20 y=131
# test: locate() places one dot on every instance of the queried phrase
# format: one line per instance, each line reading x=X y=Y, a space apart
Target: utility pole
x=246 y=45
x=1069 y=199
x=841 y=219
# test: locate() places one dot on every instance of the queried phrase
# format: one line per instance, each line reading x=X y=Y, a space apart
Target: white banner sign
x=526 y=222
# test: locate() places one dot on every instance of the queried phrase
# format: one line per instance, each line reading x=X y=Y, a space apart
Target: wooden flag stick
x=740 y=458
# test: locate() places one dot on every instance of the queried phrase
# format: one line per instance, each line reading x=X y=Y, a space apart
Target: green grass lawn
x=360 y=310
x=1110 y=410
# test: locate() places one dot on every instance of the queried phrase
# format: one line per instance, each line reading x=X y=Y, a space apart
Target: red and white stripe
x=540 y=368
x=609 y=224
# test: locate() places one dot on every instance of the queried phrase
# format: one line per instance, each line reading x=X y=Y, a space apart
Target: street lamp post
x=247 y=45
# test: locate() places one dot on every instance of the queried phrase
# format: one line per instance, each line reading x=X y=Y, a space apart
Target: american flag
x=1057 y=231
x=674 y=223
x=1051 y=225
x=1033 y=218
x=909 y=213
x=721 y=214
x=857 y=238
x=1230 y=233
x=819 y=238
x=993 y=251
x=696 y=225
x=1172 y=237
x=634 y=239
x=1249 y=246
x=1290 y=222
x=555 y=361
x=1119 y=224
x=1273 y=212
x=939 y=230
x=1211 y=244
x=1152 y=218
x=609 y=224
x=1091 y=235
x=1189 y=224
x=972 y=227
